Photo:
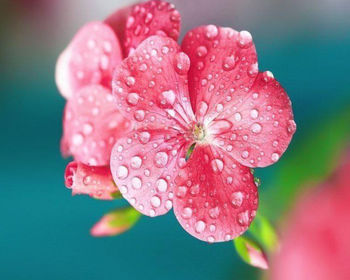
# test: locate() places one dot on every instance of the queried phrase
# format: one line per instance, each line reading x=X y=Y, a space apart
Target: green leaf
x=311 y=160
x=116 y=222
x=250 y=252
x=262 y=231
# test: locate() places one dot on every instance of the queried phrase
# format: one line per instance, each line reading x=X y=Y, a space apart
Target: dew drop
x=122 y=172
x=144 y=137
x=186 y=213
x=275 y=157
x=256 y=128
x=217 y=165
x=136 y=182
x=136 y=162
x=237 y=199
x=155 y=201
x=202 y=51
x=133 y=98
x=228 y=63
x=211 y=32
x=245 y=154
x=162 y=185
x=237 y=116
x=139 y=115
x=77 y=139
x=254 y=113
x=200 y=226
x=161 y=159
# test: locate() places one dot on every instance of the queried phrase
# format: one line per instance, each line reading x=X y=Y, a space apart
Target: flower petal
x=95 y=181
x=151 y=18
x=215 y=196
x=262 y=123
x=91 y=125
x=223 y=61
x=150 y=85
x=143 y=165
x=90 y=58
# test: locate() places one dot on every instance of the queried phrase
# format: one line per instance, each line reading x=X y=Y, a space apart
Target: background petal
x=90 y=58
x=215 y=196
x=91 y=125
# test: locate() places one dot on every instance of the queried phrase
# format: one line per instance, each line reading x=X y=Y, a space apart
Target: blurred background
x=44 y=231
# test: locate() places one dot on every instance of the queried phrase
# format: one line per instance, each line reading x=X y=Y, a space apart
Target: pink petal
x=143 y=165
x=150 y=85
x=151 y=18
x=95 y=181
x=90 y=58
x=91 y=125
x=117 y=22
x=223 y=61
x=262 y=121
x=215 y=197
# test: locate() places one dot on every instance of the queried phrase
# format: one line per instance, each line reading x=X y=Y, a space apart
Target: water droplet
x=148 y=18
x=228 y=63
x=155 y=201
x=136 y=162
x=87 y=128
x=202 y=108
x=182 y=63
x=291 y=126
x=254 y=113
x=130 y=81
x=139 y=115
x=243 y=218
x=253 y=70
x=237 y=116
x=168 y=97
x=186 y=213
x=200 y=226
x=143 y=67
x=136 y=182
x=214 y=212
x=237 y=199
x=77 y=139
x=161 y=159
x=162 y=185
x=211 y=239
x=202 y=51
x=256 y=128
x=122 y=172
x=217 y=165
x=219 y=108
x=211 y=31
x=144 y=137
x=275 y=157
x=245 y=154
x=133 y=98
x=244 y=39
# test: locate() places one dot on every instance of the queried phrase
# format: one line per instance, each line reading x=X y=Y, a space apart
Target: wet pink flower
x=92 y=123
x=84 y=74
x=316 y=244
x=203 y=116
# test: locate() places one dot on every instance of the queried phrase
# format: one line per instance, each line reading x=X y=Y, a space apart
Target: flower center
x=198 y=133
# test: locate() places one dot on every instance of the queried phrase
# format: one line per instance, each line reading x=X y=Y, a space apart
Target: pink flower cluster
x=176 y=126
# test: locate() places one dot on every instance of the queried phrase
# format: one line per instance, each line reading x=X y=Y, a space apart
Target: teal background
x=44 y=231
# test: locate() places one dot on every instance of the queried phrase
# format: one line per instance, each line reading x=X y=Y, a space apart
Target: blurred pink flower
x=205 y=116
x=316 y=245
x=92 y=123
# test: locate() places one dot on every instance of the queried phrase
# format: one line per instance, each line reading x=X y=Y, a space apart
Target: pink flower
x=316 y=243
x=207 y=102
x=84 y=70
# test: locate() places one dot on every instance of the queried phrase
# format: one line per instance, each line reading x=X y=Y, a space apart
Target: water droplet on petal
x=237 y=117
x=186 y=213
x=202 y=51
x=254 y=113
x=244 y=39
x=133 y=98
x=161 y=159
x=237 y=199
x=200 y=226
x=275 y=157
x=139 y=115
x=155 y=201
x=182 y=63
x=211 y=31
x=217 y=165
x=77 y=139
x=144 y=137
x=136 y=162
x=136 y=182
x=228 y=63
x=122 y=172
x=256 y=128
x=162 y=185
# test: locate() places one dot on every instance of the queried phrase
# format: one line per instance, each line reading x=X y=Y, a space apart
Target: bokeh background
x=44 y=231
